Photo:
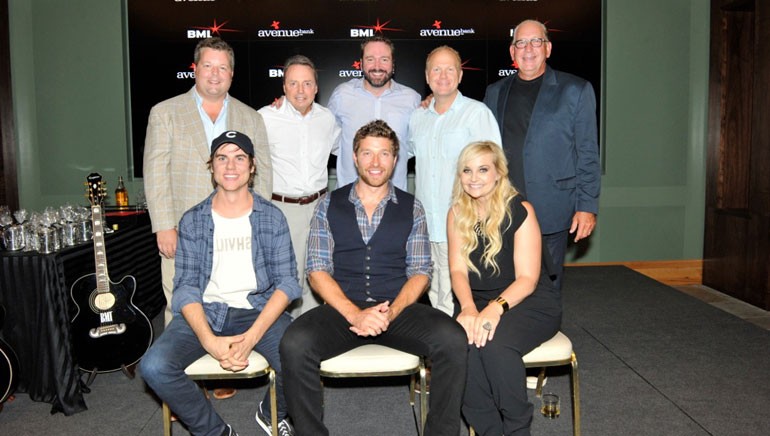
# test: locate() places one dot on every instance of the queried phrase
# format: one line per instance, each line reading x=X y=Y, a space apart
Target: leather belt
x=300 y=200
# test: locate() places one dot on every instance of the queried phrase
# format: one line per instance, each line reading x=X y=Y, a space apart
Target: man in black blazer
x=547 y=120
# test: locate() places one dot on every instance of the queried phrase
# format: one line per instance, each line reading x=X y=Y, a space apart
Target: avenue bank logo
x=437 y=30
x=369 y=30
x=353 y=72
x=275 y=31
x=184 y=75
x=505 y=72
x=202 y=32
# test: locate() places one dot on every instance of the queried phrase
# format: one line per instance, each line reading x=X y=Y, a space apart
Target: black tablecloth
x=35 y=290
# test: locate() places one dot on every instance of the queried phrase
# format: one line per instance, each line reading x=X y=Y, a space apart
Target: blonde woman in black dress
x=507 y=303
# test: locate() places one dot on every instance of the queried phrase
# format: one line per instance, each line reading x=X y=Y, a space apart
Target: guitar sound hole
x=101 y=302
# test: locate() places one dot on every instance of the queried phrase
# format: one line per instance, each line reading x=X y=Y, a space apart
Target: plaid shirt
x=320 y=244
x=271 y=250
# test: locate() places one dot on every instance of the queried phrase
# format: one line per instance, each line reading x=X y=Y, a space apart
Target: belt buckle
x=310 y=198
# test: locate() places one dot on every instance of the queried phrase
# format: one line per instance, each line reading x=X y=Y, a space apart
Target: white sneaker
x=284 y=428
x=228 y=431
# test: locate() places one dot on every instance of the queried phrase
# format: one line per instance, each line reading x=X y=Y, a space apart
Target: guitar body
x=9 y=367
x=108 y=340
x=109 y=333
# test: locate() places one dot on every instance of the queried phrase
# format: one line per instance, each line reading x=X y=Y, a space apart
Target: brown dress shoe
x=224 y=393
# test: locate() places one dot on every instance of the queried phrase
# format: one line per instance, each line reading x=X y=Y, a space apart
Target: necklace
x=479 y=227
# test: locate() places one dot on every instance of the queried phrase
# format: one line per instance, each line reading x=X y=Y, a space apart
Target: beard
x=375 y=183
x=381 y=82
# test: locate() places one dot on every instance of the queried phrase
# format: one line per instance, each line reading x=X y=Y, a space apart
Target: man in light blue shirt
x=375 y=96
x=437 y=134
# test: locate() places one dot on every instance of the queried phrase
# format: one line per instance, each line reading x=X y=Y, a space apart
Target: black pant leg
x=497 y=371
x=315 y=336
x=425 y=331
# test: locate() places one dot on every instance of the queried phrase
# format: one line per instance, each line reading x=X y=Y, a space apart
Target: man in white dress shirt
x=301 y=135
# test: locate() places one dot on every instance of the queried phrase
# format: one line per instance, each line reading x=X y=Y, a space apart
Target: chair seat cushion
x=558 y=348
x=208 y=366
x=371 y=358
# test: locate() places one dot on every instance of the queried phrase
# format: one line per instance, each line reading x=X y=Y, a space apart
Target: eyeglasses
x=534 y=42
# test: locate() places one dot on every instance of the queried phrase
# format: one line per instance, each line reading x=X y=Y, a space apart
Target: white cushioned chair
x=374 y=360
x=207 y=368
x=556 y=351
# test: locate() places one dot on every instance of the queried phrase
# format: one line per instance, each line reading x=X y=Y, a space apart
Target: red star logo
x=379 y=27
x=192 y=66
x=216 y=28
x=357 y=65
x=462 y=66
x=276 y=25
x=437 y=24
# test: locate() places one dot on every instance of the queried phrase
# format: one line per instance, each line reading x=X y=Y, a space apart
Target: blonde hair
x=465 y=210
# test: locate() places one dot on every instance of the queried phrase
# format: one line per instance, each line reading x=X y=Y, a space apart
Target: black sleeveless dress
x=489 y=285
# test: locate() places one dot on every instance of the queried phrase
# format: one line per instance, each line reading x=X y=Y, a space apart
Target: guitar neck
x=100 y=255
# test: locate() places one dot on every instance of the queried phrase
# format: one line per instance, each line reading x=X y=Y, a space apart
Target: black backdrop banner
x=162 y=35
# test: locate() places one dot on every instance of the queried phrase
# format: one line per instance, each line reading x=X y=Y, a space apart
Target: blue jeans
x=164 y=364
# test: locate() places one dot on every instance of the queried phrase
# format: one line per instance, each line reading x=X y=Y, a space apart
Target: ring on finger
x=487 y=326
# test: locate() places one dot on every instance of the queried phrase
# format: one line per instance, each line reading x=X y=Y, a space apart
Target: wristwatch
x=501 y=301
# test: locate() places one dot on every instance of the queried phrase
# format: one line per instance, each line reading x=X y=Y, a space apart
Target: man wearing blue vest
x=368 y=257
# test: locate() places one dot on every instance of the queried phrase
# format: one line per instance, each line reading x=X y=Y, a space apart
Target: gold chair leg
x=540 y=380
x=412 y=382
x=273 y=403
x=423 y=397
x=575 y=396
x=166 y=420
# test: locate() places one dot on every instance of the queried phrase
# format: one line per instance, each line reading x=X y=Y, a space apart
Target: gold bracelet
x=501 y=301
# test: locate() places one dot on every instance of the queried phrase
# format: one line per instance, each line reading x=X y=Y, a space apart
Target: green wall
x=69 y=99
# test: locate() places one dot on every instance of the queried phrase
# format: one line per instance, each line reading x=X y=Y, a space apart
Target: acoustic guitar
x=9 y=366
x=109 y=332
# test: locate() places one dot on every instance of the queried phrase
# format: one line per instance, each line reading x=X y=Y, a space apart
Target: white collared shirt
x=300 y=147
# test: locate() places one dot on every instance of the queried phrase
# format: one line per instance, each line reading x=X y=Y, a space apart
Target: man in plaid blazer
x=179 y=133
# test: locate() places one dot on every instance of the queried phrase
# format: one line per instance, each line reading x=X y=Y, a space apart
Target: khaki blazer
x=176 y=151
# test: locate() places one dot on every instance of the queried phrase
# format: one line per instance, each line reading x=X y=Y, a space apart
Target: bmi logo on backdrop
x=363 y=31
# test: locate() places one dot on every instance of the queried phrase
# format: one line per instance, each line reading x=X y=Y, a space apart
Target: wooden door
x=8 y=182
x=737 y=228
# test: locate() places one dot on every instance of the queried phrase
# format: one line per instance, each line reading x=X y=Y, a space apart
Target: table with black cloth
x=35 y=290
